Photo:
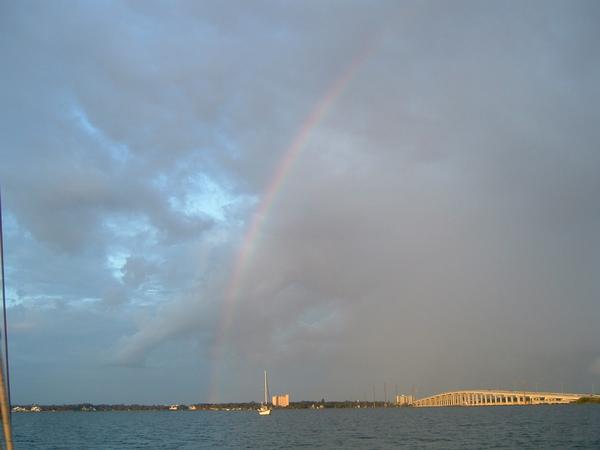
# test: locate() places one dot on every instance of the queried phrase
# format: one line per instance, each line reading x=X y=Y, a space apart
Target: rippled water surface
x=568 y=426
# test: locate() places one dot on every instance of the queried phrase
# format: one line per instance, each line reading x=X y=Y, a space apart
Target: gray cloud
x=438 y=228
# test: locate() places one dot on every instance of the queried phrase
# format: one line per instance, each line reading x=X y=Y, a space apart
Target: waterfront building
x=404 y=400
x=281 y=400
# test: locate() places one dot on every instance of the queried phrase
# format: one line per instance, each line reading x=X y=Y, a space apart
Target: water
x=567 y=426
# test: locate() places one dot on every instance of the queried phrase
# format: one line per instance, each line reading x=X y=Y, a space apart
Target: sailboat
x=264 y=409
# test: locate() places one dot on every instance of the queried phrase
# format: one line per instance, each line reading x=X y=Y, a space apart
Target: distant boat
x=264 y=409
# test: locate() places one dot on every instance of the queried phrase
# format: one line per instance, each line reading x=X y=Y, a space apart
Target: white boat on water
x=264 y=409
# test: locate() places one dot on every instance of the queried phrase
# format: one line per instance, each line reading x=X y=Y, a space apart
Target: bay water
x=557 y=426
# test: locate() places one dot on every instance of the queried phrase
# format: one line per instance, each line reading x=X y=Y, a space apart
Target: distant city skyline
x=347 y=194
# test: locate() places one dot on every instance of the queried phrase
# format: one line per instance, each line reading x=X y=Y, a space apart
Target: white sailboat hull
x=264 y=412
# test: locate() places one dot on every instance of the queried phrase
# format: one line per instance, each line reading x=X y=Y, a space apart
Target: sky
x=344 y=193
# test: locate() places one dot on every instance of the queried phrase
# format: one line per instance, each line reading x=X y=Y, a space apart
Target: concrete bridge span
x=489 y=397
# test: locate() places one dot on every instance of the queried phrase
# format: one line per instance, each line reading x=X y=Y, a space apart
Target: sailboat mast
x=266 y=389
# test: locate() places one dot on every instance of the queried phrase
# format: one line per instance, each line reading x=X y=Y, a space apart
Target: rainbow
x=275 y=184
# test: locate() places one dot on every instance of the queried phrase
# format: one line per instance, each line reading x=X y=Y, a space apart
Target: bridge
x=488 y=397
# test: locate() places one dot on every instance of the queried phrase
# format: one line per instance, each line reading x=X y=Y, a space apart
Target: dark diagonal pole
x=4 y=303
x=4 y=387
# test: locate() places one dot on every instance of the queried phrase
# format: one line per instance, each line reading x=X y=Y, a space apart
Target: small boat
x=264 y=409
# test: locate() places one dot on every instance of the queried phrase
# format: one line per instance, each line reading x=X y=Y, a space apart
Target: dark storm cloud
x=438 y=229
